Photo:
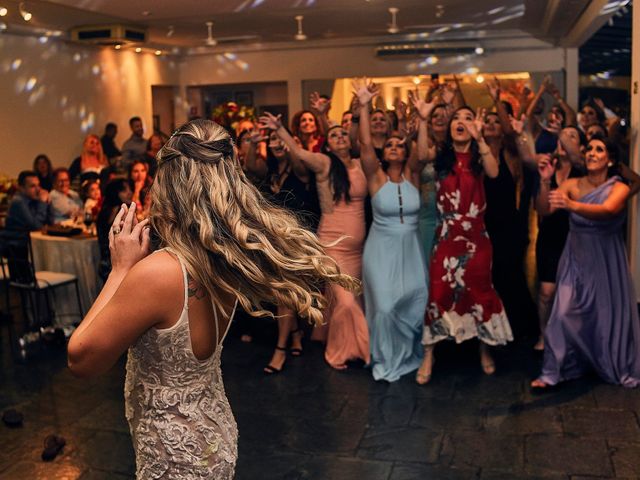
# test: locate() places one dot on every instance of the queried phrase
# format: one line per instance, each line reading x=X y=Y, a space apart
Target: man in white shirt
x=65 y=203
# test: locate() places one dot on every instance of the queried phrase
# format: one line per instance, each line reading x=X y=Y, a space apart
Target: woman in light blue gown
x=393 y=266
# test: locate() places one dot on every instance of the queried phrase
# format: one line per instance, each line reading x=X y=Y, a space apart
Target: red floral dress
x=462 y=301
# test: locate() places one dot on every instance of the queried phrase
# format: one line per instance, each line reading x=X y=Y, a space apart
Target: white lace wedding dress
x=178 y=413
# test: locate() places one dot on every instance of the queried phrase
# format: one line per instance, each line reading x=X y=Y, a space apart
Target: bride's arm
x=122 y=312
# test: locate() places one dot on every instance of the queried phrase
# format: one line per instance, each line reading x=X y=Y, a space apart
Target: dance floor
x=311 y=422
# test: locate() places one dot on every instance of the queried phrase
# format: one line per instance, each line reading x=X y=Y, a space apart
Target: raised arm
x=547 y=170
x=489 y=162
x=570 y=117
x=524 y=140
x=316 y=162
x=532 y=105
x=426 y=151
x=612 y=206
x=320 y=107
x=253 y=162
x=493 y=87
x=370 y=163
x=353 y=130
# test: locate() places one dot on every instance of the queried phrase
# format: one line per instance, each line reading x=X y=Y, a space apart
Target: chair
x=20 y=274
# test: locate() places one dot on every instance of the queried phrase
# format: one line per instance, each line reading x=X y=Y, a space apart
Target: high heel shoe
x=296 y=351
x=270 y=369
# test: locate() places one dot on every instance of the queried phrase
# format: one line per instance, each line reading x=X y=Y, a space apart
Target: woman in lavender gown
x=594 y=322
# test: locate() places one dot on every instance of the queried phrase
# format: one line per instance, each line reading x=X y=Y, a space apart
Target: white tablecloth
x=79 y=256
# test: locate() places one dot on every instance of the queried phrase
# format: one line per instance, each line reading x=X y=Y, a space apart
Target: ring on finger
x=116 y=230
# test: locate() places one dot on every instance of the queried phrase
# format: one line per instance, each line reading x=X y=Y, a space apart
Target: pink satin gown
x=345 y=330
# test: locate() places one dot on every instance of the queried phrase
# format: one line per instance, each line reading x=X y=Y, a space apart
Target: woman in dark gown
x=594 y=321
x=290 y=186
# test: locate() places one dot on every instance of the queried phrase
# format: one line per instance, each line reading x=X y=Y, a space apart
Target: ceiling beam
x=587 y=24
x=549 y=16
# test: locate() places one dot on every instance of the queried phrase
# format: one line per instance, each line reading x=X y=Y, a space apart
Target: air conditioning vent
x=420 y=49
x=108 y=34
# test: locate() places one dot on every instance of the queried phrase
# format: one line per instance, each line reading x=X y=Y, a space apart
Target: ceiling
x=181 y=24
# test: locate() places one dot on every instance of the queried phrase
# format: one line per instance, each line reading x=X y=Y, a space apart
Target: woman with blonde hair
x=90 y=162
x=222 y=244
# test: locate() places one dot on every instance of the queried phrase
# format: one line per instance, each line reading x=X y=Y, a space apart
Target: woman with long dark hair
x=342 y=188
x=462 y=301
x=594 y=321
x=290 y=185
x=43 y=168
x=221 y=244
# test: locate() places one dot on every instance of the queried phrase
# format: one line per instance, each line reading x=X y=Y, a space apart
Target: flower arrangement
x=230 y=114
x=8 y=188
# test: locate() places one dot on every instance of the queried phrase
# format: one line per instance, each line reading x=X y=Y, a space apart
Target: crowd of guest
x=451 y=191
x=86 y=192
x=429 y=205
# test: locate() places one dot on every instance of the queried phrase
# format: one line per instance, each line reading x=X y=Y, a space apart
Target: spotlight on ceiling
x=158 y=52
x=138 y=50
x=26 y=15
x=118 y=46
x=479 y=50
x=3 y=12
x=300 y=35
x=170 y=31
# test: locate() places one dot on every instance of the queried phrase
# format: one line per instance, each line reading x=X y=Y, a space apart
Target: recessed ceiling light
x=26 y=15
x=3 y=11
x=138 y=50
x=158 y=52
x=118 y=47
x=479 y=50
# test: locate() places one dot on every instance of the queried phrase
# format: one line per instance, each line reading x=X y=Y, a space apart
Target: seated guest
x=108 y=142
x=90 y=163
x=141 y=181
x=43 y=168
x=117 y=192
x=28 y=210
x=92 y=197
x=65 y=203
x=135 y=146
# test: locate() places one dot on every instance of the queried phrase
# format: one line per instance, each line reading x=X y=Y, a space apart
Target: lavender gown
x=594 y=322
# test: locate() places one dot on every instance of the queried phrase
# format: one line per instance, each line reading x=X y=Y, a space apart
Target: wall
x=297 y=65
x=53 y=94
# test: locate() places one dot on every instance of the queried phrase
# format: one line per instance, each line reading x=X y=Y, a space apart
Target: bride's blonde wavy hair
x=230 y=237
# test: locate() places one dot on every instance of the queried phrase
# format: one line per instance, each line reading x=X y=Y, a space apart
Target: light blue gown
x=394 y=276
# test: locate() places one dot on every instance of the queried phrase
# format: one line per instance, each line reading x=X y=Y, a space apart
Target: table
x=77 y=255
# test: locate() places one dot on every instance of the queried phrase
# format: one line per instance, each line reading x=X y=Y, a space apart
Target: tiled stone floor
x=312 y=422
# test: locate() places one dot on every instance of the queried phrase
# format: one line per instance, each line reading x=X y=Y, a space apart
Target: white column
x=294 y=94
x=572 y=80
x=634 y=205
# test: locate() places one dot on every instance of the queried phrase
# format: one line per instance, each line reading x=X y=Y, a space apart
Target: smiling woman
x=593 y=325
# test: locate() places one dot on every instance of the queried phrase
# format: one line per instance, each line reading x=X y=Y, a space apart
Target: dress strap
x=185 y=277
x=226 y=330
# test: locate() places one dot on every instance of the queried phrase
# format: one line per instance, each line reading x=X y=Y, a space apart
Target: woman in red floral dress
x=462 y=301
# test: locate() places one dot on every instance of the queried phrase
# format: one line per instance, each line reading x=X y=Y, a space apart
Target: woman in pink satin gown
x=342 y=188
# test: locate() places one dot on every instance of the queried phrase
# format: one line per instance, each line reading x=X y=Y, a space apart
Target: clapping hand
x=559 y=199
x=129 y=240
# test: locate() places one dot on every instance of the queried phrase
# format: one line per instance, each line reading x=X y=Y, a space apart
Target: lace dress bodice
x=179 y=416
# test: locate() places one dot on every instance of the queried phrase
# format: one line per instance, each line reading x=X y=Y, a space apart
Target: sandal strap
x=282 y=349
